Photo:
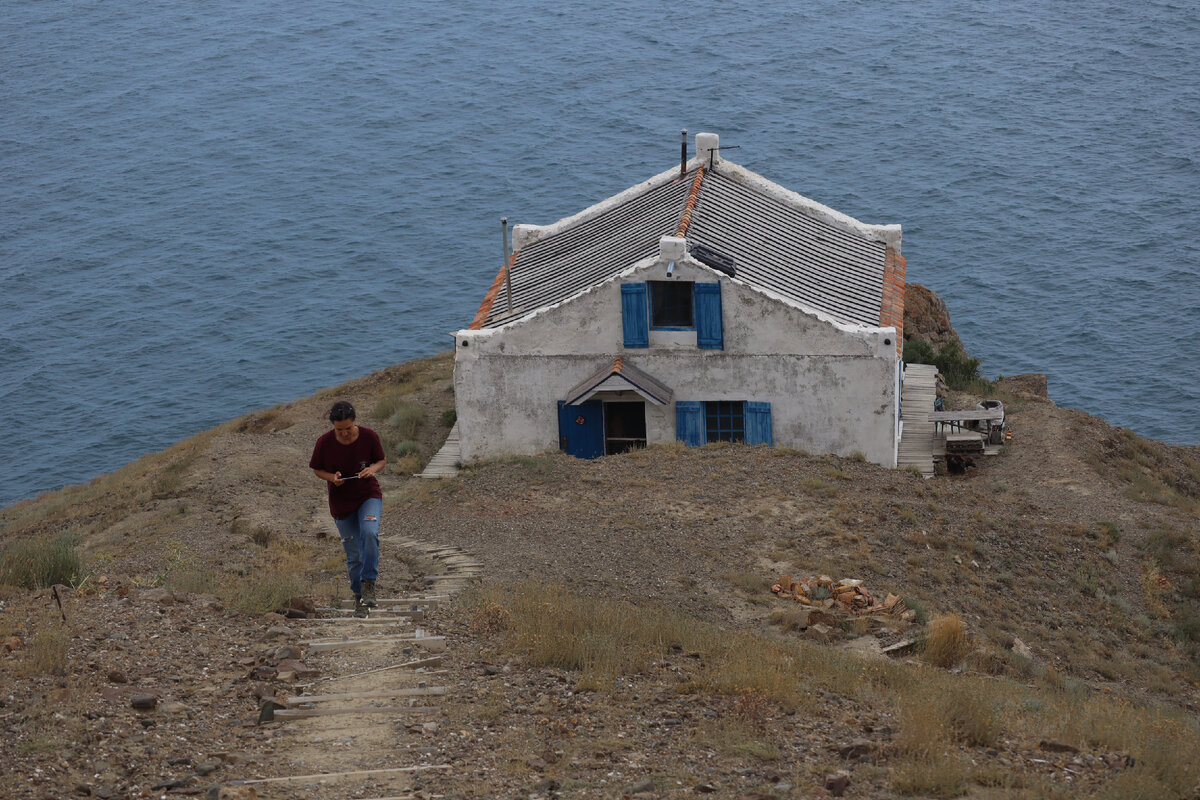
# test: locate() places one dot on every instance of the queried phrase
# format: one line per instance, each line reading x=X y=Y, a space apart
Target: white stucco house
x=704 y=304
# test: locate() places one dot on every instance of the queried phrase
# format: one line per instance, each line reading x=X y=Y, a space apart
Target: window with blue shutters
x=710 y=334
x=697 y=423
x=634 y=316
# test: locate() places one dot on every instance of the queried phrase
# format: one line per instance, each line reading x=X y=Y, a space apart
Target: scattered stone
x=820 y=633
x=178 y=783
x=158 y=594
x=855 y=749
x=490 y=670
x=1051 y=746
x=704 y=788
x=299 y=608
x=645 y=787
x=277 y=632
x=175 y=762
x=116 y=676
x=1021 y=649
x=13 y=643
x=287 y=651
x=836 y=783
x=143 y=702
x=264 y=672
x=298 y=668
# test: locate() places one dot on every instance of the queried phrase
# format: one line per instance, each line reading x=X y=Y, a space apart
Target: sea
x=210 y=208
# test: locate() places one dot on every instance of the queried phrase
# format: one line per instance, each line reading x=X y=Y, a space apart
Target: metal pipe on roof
x=507 y=266
x=683 y=152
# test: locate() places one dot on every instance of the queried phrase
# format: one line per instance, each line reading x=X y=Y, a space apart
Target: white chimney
x=706 y=145
x=671 y=248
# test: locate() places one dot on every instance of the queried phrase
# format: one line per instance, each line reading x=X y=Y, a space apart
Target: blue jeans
x=360 y=540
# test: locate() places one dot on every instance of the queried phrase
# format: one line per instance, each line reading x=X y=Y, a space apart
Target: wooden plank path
x=444 y=463
x=916 y=404
x=368 y=697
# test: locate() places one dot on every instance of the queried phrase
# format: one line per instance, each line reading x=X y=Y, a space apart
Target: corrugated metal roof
x=775 y=245
x=779 y=247
x=555 y=267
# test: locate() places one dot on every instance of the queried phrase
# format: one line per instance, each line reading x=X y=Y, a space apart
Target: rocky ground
x=1072 y=558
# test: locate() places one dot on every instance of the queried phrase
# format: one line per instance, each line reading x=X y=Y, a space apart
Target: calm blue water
x=207 y=208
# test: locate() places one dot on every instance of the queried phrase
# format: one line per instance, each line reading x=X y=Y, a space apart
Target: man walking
x=348 y=458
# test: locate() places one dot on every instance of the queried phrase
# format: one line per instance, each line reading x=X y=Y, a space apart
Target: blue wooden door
x=581 y=429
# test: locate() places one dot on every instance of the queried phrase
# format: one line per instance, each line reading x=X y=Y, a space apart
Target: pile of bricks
x=848 y=593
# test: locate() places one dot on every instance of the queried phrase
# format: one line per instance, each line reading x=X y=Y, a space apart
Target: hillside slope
x=1073 y=558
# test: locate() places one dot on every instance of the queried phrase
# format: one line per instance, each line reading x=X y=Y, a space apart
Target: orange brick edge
x=690 y=206
x=891 y=310
x=485 y=308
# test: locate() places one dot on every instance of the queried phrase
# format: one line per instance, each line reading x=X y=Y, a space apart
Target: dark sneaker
x=368 y=594
x=360 y=608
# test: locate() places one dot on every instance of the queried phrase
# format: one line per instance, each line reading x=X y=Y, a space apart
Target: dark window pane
x=671 y=304
x=725 y=421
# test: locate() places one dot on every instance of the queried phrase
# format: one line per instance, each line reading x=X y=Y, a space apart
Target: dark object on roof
x=719 y=261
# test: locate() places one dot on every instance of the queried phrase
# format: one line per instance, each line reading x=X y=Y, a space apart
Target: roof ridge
x=485 y=308
x=690 y=205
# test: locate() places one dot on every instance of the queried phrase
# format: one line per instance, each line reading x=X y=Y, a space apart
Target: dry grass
x=39 y=563
x=49 y=648
x=947 y=643
x=940 y=716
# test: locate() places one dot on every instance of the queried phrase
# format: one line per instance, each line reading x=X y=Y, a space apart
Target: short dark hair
x=341 y=410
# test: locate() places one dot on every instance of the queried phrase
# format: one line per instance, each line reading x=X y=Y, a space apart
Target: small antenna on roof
x=507 y=267
x=721 y=147
x=683 y=152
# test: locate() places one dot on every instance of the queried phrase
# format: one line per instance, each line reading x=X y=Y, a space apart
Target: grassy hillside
x=1054 y=591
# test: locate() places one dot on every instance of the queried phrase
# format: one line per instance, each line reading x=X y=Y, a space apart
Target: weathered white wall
x=831 y=387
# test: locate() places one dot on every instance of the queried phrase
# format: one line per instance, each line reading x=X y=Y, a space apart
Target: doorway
x=624 y=427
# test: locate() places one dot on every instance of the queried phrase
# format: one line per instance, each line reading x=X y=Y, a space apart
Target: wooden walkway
x=364 y=727
x=445 y=463
x=916 y=404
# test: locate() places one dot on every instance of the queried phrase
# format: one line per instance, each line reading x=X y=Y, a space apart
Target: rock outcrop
x=926 y=317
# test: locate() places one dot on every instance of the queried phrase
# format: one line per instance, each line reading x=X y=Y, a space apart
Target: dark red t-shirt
x=331 y=455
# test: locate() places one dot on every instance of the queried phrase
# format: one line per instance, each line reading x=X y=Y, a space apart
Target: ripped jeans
x=360 y=540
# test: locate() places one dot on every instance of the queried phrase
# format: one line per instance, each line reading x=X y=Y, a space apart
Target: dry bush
x=50 y=647
x=947 y=643
x=39 y=563
x=946 y=775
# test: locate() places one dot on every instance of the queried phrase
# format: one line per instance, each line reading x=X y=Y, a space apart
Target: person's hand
x=337 y=479
x=367 y=473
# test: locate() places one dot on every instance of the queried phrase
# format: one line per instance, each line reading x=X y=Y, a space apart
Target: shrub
x=406 y=419
x=449 y=417
x=39 y=563
x=918 y=351
x=407 y=447
x=947 y=643
x=960 y=370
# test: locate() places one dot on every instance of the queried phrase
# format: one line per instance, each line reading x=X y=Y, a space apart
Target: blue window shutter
x=709 y=333
x=689 y=422
x=758 y=423
x=634 y=316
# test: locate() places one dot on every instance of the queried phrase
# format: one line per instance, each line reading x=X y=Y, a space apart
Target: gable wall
x=831 y=390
